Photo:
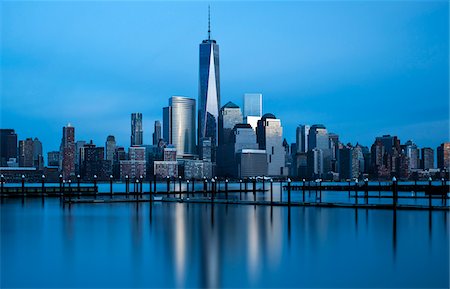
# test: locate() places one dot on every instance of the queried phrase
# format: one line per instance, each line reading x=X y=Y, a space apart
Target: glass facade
x=137 y=133
x=179 y=124
x=209 y=91
x=252 y=104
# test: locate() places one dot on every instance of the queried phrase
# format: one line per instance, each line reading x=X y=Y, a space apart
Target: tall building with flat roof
x=301 y=138
x=270 y=138
x=229 y=116
x=443 y=156
x=156 y=133
x=252 y=104
x=8 y=146
x=137 y=133
x=110 y=146
x=413 y=154
x=179 y=125
x=427 y=158
x=209 y=89
x=68 y=152
x=26 y=153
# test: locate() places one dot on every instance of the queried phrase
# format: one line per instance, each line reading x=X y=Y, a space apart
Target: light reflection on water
x=199 y=245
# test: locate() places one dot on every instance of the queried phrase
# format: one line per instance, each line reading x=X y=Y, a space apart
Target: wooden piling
x=394 y=192
x=70 y=187
x=366 y=190
x=23 y=186
x=2 y=180
x=271 y=192
x=430 y=191
x=78 y=186
x=168 y=185
x=61 y=192
x=226 y=189
x=303 y=188
x=95 y=186
x=240 y=189
x=141 y=184
x=43 y=187
x=179 y=181
x=254 y=189
x=289 y=191
x=111 y=186
x=127 y=188
x=320 y=191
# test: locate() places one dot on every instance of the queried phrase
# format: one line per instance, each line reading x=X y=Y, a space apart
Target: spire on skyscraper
x=209 y=23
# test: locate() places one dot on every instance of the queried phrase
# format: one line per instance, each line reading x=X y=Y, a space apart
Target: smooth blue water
x=199 y=245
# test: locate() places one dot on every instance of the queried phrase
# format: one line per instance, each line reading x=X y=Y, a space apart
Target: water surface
x=199 y=245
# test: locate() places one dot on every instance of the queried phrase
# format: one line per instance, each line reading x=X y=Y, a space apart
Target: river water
x=199 y=245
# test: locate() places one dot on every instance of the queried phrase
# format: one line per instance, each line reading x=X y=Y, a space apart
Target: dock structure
x=420 y=196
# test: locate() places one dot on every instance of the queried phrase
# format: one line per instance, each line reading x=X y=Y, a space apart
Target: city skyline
x=113 y=117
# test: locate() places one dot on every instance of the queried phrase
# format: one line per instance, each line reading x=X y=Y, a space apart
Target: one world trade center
x=209 y=92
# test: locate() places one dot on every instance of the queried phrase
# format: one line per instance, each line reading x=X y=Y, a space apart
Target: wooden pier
x=356 y=196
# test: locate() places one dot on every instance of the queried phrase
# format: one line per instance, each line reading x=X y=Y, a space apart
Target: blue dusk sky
x=362 y=68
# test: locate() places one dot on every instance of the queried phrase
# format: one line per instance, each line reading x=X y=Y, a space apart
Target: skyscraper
x=8 y=146
x=230 y=115
x=270 y=138
x=157 y=133
x=68 y=151
x=252 y=108
x=137 y=133
x=412 y=151
x=252 y=104
x=26 y=153
x=110 y=146
x=318 y=137
x=179 y=124
x=209 y=90
x=443 y=156
x=301 y=138
x=427 y=161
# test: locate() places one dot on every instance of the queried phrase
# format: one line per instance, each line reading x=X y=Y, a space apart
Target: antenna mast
x=209 y=24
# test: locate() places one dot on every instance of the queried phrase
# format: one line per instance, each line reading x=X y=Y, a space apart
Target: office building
x=26 y=153
x=38 y=155
x=179 y=125
x=253 y=104
x=209 y=90
x=197 y=169
x=94 y=163
x=157 y=133
x=427 y=161
x=269 y=134
x=135 y=166
x=164 y=169
x=443 y=156
x=68 y=152
x=252 y=163
x=252 y=108
x=345 y=162
x=110 y=146
x=53 y=159
x=229 y=116
x=8 y=146
x=137 y=133
x=119 y=155
x=315 y=163
x=301 y=138
x=78 y=146
x=413 y=154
